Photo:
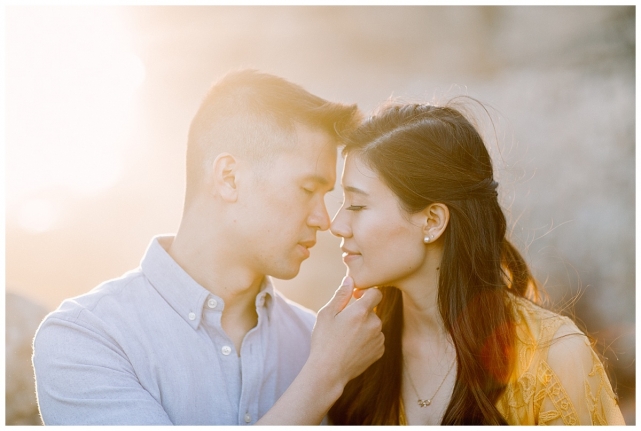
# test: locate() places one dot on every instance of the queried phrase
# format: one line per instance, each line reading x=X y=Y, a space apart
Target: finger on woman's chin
x=357 y=293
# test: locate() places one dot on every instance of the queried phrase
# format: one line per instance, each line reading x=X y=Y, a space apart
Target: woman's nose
x=339 y=226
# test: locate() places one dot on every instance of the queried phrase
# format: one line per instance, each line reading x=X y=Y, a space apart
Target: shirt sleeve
x=576 y=389
x=83 y=377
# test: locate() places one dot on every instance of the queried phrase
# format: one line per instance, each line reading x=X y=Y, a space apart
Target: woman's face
x=382 y=244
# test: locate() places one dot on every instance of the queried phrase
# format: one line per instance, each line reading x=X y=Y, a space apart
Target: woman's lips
x=349 y=256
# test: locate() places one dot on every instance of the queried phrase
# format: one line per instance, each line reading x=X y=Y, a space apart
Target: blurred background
x=99 y=101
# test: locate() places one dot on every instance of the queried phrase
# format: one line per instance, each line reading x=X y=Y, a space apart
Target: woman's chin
x=368 y=282
x=360 y=282
x=351 y=274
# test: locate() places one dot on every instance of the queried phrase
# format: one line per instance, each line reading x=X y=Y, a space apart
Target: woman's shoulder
x=558 y=378
x=540 y=326
x=541 y=333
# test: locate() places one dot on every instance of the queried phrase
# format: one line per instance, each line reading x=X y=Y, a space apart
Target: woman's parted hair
x=428 y=154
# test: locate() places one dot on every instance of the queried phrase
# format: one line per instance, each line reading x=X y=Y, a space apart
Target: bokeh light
x=73 y=81
x=38 y=215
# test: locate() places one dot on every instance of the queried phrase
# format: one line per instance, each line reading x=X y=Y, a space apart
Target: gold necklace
x=421 y=402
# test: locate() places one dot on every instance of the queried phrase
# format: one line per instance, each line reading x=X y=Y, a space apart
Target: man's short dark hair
x=253 y=115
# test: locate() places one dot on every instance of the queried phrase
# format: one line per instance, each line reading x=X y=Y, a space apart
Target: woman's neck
x=422 y=319
x=428 y=356
x=423 y=328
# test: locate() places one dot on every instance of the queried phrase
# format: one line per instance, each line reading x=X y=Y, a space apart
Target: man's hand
x=347 y=338
x=345 y=341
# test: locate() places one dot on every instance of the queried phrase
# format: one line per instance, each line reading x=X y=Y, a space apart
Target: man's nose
x=320 y=217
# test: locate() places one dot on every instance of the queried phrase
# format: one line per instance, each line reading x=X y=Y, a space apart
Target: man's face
x=284 y=206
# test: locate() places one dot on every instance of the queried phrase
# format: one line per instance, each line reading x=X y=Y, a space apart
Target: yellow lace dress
x=558 y=378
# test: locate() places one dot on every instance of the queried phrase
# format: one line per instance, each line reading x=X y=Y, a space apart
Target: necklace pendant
x=424 y=403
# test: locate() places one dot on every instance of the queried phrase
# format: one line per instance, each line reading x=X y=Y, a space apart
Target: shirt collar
x=182 y=292
x=265 y=296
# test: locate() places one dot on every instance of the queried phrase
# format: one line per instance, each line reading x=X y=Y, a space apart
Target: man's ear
x=436 y=219
x=224 y=171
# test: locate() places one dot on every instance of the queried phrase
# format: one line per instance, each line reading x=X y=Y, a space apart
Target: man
x=197 y=334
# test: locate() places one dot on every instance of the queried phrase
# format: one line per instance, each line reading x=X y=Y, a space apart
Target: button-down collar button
x=192 y=316
x=261 y=301
x=226 y=350
x=248 y=418
x=212 y=303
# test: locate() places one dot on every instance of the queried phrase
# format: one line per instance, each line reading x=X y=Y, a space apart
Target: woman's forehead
x=356 y=170
x=359 y=179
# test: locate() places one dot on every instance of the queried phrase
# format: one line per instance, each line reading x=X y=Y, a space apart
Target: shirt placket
x=224 y=352
x=252 y=361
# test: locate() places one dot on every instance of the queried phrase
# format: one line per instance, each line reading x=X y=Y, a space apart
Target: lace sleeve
x=574 y=388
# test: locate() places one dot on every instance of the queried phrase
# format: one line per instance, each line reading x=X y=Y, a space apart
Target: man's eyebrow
x=354 y=190
x=321 y=180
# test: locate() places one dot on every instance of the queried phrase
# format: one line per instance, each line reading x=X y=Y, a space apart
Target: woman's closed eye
x=355 y=207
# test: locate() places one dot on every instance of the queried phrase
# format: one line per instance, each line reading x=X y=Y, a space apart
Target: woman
x=464 y=341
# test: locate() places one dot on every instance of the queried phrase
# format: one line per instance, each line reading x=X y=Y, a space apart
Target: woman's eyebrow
x=354 y=190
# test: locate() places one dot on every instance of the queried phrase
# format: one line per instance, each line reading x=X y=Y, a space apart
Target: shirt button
x=192 y=316
x=212 y=303
x=261 y=301
x=248 y=418
x=226 y=350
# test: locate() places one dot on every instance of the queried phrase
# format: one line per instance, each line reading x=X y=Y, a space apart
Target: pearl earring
x=427 y=239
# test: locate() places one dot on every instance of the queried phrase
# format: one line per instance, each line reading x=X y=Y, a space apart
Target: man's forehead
x=307 y=136
x=312 y=157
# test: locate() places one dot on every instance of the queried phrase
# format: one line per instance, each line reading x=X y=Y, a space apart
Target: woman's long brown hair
x=428 y=154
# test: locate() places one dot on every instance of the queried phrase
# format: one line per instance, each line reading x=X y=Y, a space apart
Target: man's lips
x=304 y=247
x=308 y=244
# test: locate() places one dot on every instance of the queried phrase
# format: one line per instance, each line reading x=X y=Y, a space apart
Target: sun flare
x=72 y=83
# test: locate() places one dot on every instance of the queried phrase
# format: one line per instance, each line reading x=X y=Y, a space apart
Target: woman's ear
x=223 y=177
x=436 y=219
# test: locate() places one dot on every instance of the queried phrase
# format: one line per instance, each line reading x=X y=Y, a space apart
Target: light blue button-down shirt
x=148 y=348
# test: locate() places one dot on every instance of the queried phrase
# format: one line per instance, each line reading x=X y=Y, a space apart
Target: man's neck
x=213 y=269
x=209 y=264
